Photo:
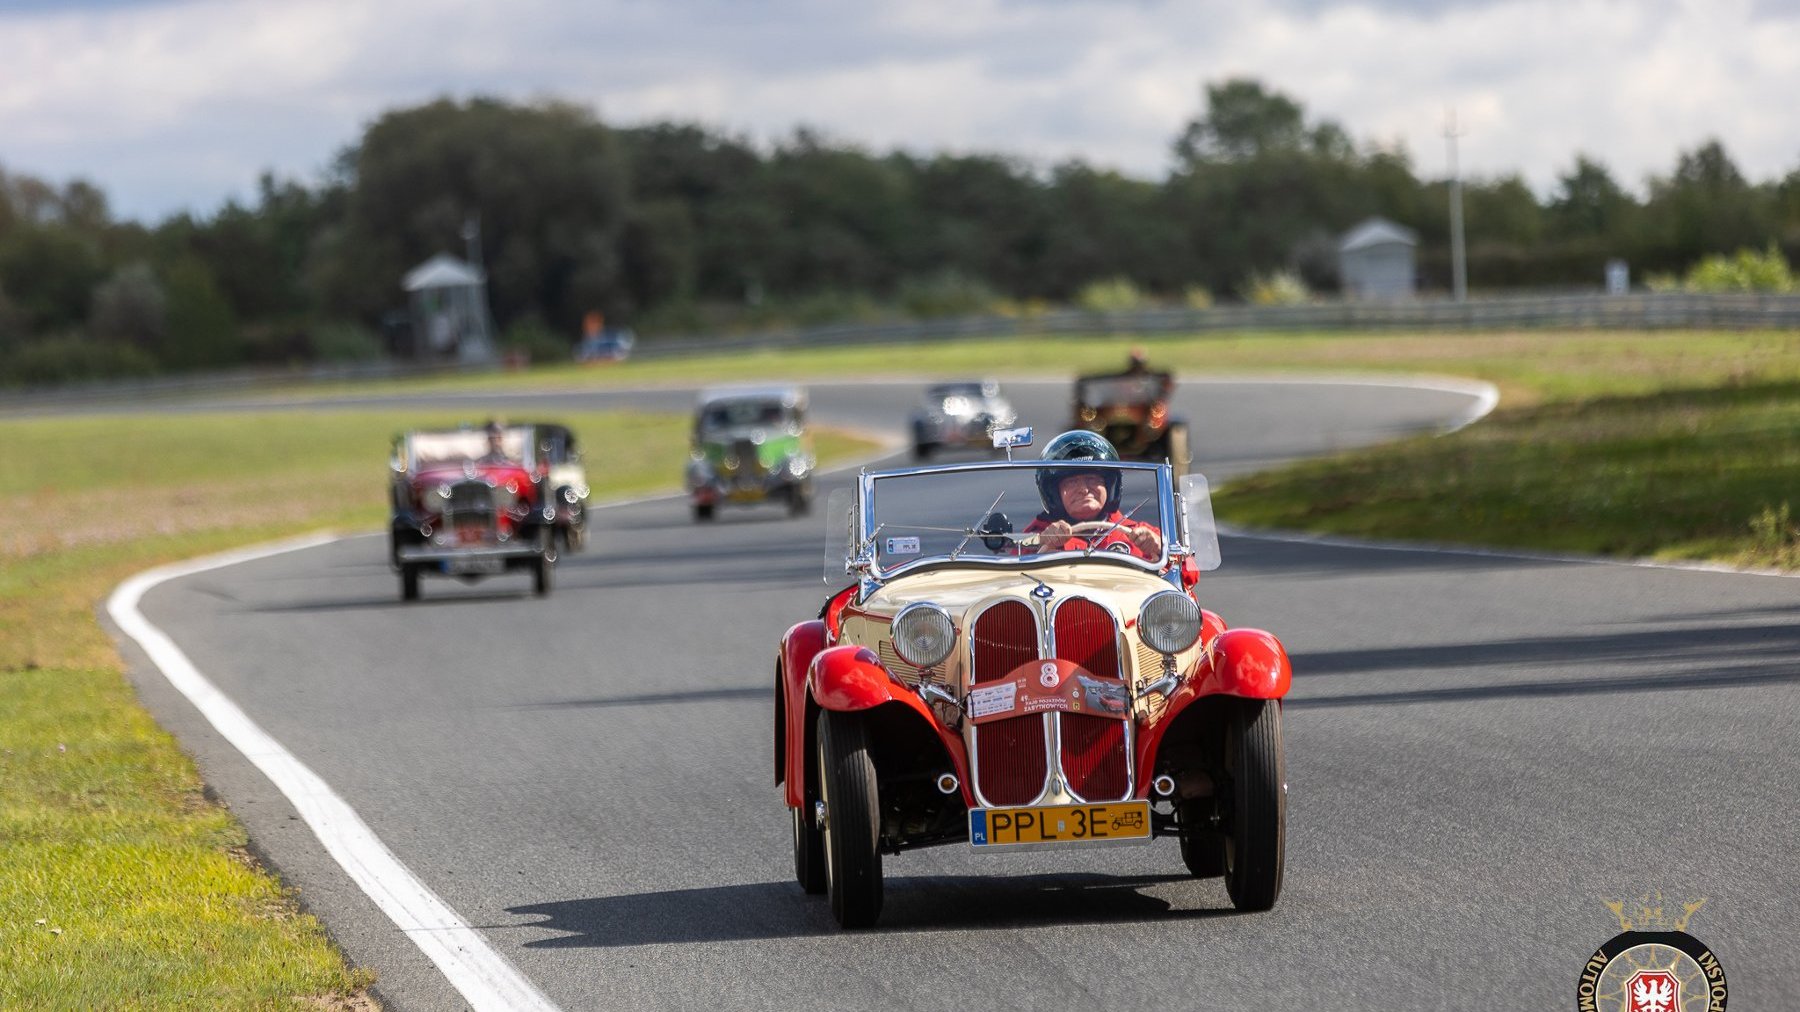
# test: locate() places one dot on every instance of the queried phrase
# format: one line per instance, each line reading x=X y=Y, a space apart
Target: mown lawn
x=1694 y=473
x=1529 y=367
x=121 y=885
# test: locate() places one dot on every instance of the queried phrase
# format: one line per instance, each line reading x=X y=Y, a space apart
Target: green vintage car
x=750 y=446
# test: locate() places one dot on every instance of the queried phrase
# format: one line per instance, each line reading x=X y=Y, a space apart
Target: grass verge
x=1529 y=367
x=1673 y=444
x=121 y=885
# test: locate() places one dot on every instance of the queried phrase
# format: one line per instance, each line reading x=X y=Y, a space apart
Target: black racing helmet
x=1076 y=444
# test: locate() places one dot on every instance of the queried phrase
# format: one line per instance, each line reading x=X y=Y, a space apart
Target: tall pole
x=1459 y=265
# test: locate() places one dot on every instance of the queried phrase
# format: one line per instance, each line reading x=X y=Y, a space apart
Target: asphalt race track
x=1480 y=750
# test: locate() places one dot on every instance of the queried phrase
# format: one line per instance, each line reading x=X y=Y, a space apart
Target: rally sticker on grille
x=991 y=699
x=1049 y=686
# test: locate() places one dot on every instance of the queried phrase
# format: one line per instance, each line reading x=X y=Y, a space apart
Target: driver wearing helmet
x=496 y=438
x=1073 y=497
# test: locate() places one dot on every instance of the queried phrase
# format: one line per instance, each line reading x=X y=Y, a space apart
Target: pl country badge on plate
x=1653 y=964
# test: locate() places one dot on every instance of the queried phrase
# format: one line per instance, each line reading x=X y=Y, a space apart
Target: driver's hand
x=1147 y=541
x=1054 y=537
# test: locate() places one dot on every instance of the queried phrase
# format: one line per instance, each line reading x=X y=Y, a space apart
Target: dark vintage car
x=472 y=503
x=987 y=685
x=556 y=458
x=1131 y=409
x=959 y=415
x=750 y=446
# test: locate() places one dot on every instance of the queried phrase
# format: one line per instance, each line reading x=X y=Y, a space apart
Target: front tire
x=409 y=582
x=809 y=850
x=540 y=573
x=852 y=820
x=703 y=511
x=1202 y=847
x=1181 y=455
x=1255 y=846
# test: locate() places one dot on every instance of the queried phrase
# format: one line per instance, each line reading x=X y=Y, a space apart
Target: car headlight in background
x=1169 y=622
x=923 y=634
x=797 y=466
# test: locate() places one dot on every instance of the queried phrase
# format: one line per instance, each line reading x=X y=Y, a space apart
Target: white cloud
x=181 y=104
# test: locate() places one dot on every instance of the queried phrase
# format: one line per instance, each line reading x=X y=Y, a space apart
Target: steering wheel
x=1086 y=527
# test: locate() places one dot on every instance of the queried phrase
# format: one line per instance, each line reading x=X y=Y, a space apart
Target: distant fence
x=1647 y=311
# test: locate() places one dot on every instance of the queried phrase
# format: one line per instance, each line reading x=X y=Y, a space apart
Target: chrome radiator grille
x=1011 y=756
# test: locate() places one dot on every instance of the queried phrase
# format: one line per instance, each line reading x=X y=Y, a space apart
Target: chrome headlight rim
x=923 y=634
x=1169 y=622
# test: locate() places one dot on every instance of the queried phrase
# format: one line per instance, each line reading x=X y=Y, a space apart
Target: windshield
x=742 y=414
x=1015 y=514
x=432 y=449
x=1122 y=389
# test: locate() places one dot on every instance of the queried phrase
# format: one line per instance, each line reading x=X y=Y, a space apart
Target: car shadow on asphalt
x=767 y=910
x=393 y=601
x=757 y=692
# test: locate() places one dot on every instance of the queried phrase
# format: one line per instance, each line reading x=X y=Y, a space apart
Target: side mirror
x=994 y=527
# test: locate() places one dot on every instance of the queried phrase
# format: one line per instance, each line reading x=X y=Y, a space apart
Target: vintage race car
x=471 y=503
x=985 y=685
x=959 y=415
x=556 y=457
x=1131 y=409
x=750 y=446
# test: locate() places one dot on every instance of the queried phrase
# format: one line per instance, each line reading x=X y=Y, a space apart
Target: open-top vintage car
x=750 y=445
x=1007 y=685
x=471 y=503
x=961 y=414
x=1131 y=409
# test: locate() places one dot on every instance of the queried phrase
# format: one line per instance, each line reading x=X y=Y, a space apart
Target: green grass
x=143 y=887
x=1529 y=366
x=1674 y=444
x=1689 y=473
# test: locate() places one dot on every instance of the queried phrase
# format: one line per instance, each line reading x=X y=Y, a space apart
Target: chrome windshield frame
x=870 y=574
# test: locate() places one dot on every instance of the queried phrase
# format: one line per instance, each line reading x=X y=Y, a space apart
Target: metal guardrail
x=1641 y=311
x=1644 y=311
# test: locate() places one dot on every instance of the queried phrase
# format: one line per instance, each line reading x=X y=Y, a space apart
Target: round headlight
x=1169 y=622
x=923 y=634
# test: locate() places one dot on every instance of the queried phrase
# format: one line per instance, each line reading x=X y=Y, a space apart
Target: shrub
x=72 y=358
x=1197 y=297
x=344 y=341
x=1276 y=288
x=1113 y=295
x=536 y=341
x=1744 y=271
x=947 y=293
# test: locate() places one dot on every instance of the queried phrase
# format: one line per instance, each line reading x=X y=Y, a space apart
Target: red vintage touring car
x=472 y=503
x=1050 y=685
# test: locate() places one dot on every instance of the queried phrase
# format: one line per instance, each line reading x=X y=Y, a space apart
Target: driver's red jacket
x=1118 y=540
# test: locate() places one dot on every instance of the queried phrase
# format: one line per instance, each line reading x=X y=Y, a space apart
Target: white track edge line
x=484 y=977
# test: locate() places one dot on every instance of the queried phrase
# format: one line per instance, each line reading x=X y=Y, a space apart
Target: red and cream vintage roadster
x=1046 y=684
x=472 y=503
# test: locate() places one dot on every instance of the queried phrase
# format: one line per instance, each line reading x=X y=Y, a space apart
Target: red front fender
x=798 y=648
x=1249 y=663
x=1240 y=662
x=850 y=678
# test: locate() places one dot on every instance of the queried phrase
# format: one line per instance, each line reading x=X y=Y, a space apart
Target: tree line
x=677 y=227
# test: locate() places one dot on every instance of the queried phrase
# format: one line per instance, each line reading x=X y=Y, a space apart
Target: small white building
x=1377 y=260
x=450 y=311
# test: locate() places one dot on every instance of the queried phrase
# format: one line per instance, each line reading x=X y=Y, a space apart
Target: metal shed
x=1376 y=260
x=450 y=311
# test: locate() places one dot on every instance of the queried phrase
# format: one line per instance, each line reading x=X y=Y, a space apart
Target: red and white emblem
x=1653 y=991
x=1048 y=676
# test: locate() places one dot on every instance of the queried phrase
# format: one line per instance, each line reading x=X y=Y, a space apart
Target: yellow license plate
x=747 y=495
x=1055 y=824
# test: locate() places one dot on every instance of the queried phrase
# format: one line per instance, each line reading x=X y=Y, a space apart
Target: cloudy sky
x=180 y=104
